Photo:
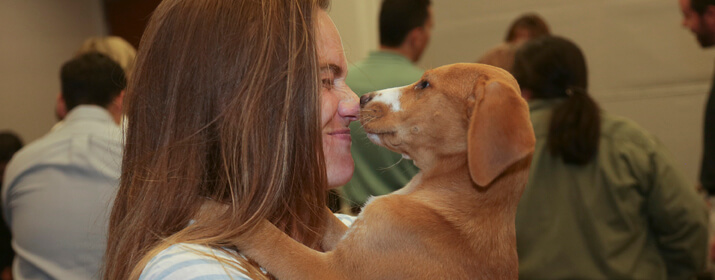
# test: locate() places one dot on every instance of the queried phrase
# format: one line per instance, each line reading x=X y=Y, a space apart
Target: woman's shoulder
x=346 y=219
x=626 y=131
x=191 y=261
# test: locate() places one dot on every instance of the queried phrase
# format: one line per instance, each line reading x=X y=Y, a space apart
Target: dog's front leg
x=284 y=257
x=334 y=231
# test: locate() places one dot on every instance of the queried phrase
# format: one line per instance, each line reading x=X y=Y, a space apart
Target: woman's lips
x=343 y=134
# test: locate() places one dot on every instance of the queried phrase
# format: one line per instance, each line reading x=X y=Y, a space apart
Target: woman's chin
x=338 y=176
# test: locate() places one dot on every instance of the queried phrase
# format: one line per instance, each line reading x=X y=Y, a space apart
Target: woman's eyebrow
x=337 y=70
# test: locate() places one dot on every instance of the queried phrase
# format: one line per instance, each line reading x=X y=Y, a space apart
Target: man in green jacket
x=405 y=29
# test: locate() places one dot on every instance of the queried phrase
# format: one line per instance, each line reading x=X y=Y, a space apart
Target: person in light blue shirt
x=405 y=31
x=57 y=191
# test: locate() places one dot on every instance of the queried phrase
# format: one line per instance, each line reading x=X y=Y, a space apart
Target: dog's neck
x=451 y=175
x=433 y=166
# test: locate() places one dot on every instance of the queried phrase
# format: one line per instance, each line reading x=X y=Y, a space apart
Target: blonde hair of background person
x=524 y=28
x=227 y=104
x=114 y=47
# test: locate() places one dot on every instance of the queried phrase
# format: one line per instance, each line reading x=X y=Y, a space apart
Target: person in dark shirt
x=699 y=17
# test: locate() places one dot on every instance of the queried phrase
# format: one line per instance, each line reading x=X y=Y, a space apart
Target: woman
x=604 y=200
x=238 y=102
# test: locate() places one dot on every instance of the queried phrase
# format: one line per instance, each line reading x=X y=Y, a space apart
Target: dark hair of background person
x=10 y=143
x=553 y=67
x=533 y=22
x=223 y=105
x=399 y=17
x=699 y=6
x=91 y=78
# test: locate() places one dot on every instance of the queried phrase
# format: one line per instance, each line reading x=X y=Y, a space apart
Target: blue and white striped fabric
x=185 y=261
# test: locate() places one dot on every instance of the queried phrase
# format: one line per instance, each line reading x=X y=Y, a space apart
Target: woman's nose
x=349 y=106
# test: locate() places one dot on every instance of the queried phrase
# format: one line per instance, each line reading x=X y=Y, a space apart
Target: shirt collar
x=89 y=112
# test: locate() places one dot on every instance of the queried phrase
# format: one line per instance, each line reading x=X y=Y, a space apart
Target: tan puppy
x=468 y=130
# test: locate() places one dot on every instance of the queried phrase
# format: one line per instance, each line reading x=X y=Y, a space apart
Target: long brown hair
x=553 y=67
x=223 y=105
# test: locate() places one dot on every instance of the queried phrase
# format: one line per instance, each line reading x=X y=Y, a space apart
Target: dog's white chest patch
x=374 y=138
x=390 y=96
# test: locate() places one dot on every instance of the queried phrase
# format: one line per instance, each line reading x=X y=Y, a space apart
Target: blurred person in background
x=405 y=31
x=524 y=28
x=58 y=190
x=699 y=18
x=604 y=199
x=10 y=143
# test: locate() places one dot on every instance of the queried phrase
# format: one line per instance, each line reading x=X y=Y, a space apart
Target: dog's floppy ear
x=500 y=131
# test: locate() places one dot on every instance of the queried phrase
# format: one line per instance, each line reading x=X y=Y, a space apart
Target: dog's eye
x=422 y=85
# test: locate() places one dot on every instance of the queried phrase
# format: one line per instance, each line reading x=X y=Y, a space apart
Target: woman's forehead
x=329 y=44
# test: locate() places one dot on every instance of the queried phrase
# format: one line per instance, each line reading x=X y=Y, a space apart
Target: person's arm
x=678 y=218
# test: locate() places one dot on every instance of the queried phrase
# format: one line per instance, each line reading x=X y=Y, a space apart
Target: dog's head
x=455 y=109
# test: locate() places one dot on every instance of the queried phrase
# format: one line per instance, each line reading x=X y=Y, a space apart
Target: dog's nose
x=366 y=98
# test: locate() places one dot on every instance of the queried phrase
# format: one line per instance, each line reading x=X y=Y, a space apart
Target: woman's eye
x=422 y=85
x=327 y=83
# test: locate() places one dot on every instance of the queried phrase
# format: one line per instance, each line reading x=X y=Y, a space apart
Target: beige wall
x=37 y=37
x=643 y=65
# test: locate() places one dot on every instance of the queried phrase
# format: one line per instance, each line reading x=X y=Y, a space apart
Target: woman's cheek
x=328 y=106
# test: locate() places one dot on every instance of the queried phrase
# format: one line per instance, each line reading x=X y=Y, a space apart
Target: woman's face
x=339 y=104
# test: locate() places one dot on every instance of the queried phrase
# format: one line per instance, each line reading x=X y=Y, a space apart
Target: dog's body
x=468 y=130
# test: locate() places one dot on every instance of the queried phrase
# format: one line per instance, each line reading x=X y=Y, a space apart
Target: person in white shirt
x=58 y=190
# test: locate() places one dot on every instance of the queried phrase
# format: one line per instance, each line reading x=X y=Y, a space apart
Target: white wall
x=357 y=22
x=37 y=37
x=643 y=65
